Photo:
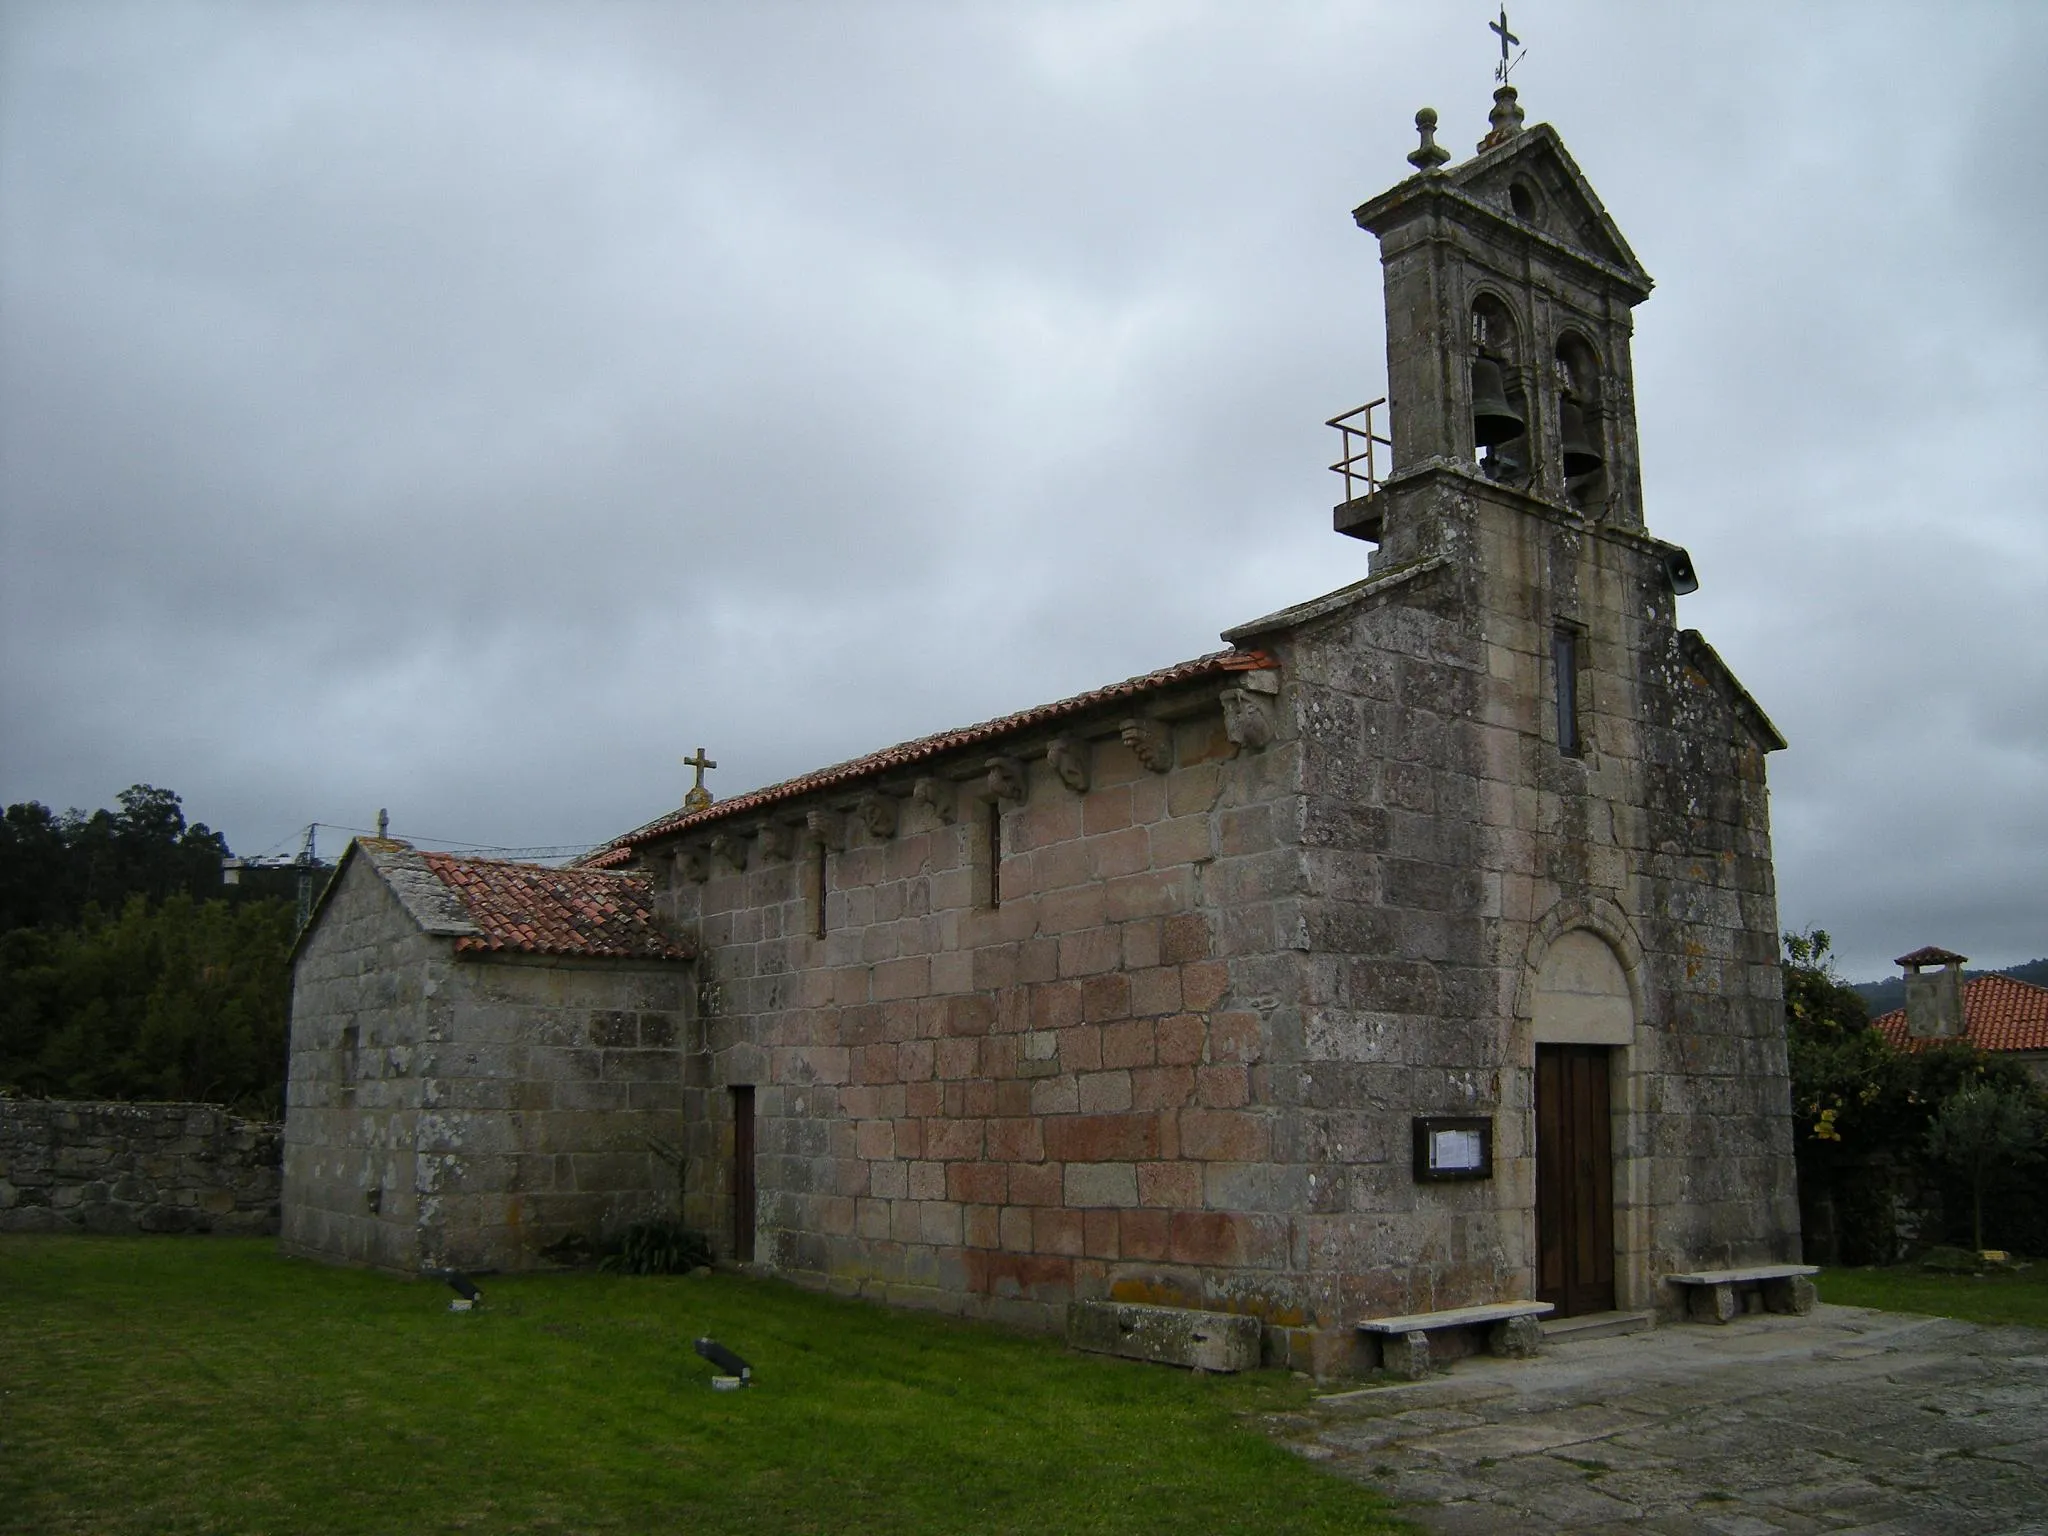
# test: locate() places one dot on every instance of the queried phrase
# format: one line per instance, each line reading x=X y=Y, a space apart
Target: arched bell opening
x=1581 y=422
x=1500 y=408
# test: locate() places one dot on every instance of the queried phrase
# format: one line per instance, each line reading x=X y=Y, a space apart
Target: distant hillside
x=1884 y=996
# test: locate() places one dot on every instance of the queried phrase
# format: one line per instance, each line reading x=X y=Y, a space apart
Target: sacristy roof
x=494 y=906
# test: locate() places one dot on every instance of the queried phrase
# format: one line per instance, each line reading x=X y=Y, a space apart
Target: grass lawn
x=1997 y=1296
x=204 y=1384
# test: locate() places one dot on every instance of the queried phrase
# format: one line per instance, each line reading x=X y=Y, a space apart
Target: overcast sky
x=470 y=409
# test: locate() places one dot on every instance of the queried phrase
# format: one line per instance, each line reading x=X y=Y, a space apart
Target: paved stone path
x=1871 y=1423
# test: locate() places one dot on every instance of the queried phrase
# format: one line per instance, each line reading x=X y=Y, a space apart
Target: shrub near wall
x=122 y=1168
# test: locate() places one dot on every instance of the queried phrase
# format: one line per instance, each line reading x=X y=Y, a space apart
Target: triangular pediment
x=1531 y=180
x=1525 y=191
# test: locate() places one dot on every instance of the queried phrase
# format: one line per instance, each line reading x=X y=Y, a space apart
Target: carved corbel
x=1247 y=719
x=1150 y=743
x=693 y=865
x=1006 y=779
x=878 y=815
x=730 y=850
x=774 y=837
x=1069 y=758
x=938 y=794
x=825 y=827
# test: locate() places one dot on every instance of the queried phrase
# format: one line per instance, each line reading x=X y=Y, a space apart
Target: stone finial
x=1506 y=117
x=1069 y=758
x=1428 y=155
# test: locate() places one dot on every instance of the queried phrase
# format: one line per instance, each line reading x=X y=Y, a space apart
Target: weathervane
x=1507 y=40
x=699 y=796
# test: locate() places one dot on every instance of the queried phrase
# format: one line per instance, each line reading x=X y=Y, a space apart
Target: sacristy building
x=1417 y=950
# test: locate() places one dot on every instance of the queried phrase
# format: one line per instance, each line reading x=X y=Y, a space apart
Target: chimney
x=1934 y=999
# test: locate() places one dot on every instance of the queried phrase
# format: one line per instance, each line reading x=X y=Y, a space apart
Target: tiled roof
x=1931 y=954
x=534 y=910
x=1216 y=664
x=1999 y=1014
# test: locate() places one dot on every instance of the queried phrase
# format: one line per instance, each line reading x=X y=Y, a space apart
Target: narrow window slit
x=1564 y=650
x=995 y=853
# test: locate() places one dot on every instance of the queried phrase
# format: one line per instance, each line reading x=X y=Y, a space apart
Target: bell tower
x=1508 y=298
x=1598 y=778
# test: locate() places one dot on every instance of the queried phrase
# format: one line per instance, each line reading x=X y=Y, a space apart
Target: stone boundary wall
x=120 y=1168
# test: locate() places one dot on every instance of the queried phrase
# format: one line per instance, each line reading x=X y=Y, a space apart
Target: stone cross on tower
x=699 y=796
x=1507 y=40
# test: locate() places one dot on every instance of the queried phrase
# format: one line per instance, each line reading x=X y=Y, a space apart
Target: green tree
x=52 y=866
x=1984 y=1130
x=1862 y=1109
x=35 y=866
x=177 y=999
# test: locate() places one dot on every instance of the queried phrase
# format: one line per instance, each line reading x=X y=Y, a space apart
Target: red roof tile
x=531 y=909
x=1999 y=1014
x=1216 y=664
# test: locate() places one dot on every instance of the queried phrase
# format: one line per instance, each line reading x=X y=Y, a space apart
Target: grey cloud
x=471 y=408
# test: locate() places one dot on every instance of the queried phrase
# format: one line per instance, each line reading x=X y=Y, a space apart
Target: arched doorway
x=1583 y=1012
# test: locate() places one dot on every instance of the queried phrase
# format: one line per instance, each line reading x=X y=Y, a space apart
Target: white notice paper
x=1453 y=1151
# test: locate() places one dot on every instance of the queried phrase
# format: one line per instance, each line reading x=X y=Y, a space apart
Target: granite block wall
x=120 y=1168
x=1000 y=1107
x=449 y=1111
x=1181 y=1058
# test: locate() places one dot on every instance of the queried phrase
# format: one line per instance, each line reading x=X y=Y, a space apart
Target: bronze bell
x=1494 y=420
x=1582 y=455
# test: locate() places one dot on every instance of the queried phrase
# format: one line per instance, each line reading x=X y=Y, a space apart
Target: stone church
x=1416 y=951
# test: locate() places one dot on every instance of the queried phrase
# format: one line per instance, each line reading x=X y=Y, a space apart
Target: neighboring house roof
x=1216 y=664
x=1999 y=1014
x=493 y=906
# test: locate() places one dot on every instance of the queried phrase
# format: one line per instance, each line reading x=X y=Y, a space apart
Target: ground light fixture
x=468 y=1297
x=737 y=1372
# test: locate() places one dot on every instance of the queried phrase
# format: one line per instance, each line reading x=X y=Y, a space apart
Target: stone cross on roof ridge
x=699 y=796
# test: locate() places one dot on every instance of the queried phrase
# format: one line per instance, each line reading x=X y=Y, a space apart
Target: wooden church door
x=1574 y=1179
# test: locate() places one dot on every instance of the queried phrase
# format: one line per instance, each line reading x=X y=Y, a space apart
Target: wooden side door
x=743 y=1174
x=1574 y=1179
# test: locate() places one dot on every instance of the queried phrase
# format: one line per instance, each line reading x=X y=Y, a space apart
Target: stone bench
x=1509 y=1329
x=1716 y=1295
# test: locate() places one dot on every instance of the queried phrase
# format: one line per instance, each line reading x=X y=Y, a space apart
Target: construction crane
x=306 y=862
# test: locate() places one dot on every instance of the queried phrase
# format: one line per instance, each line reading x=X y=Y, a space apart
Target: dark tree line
x=128 y=970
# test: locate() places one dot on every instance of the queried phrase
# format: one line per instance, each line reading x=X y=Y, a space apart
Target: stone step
x=1594 y=1325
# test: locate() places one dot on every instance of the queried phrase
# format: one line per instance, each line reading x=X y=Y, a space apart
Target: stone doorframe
x=1635 y=1053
